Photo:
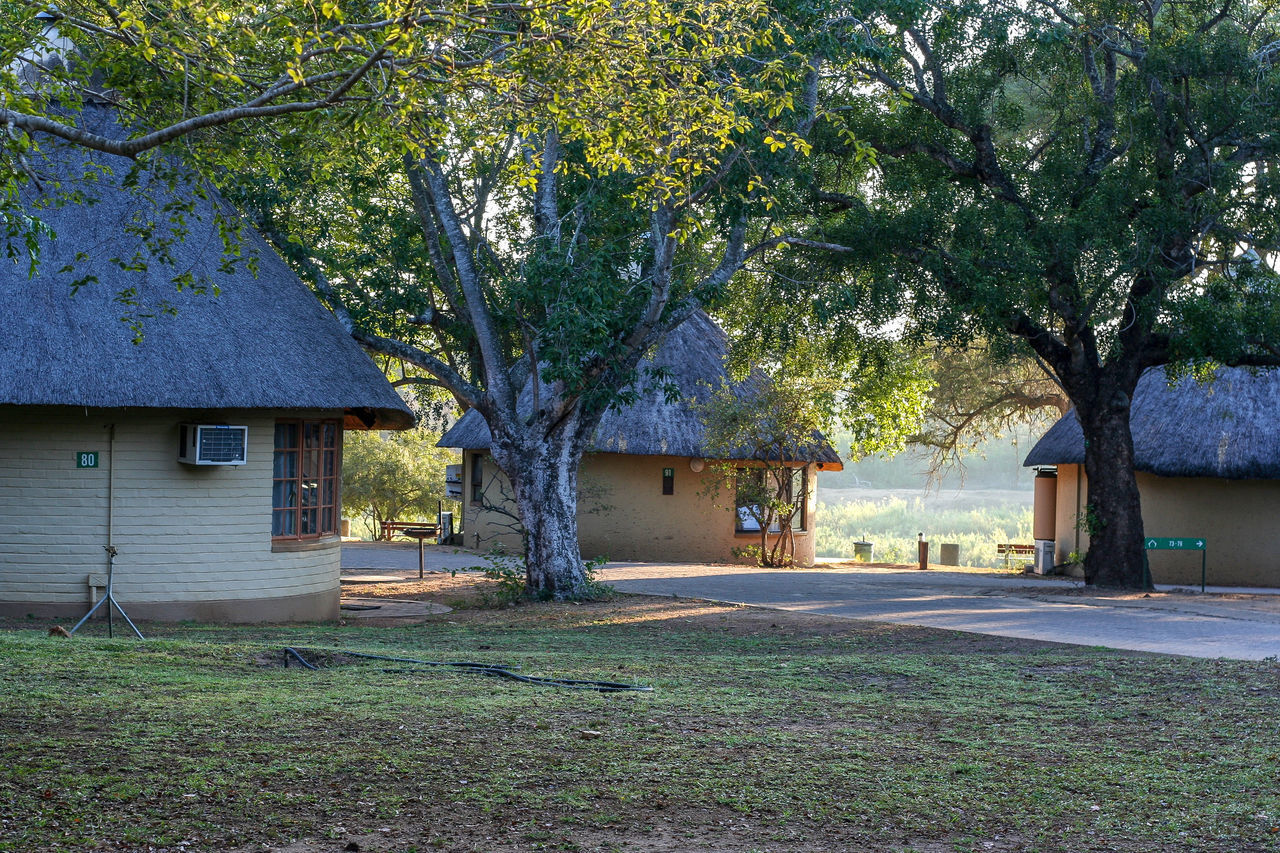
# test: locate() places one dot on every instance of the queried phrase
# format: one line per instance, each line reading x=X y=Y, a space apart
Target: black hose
x=289 y=650
x=497 y=671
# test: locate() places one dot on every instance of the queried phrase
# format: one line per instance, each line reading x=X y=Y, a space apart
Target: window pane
x=305 y=471
x=286 y=435
x=284 y=494
x=799 y=492
x=282 y=523
x=285 y=464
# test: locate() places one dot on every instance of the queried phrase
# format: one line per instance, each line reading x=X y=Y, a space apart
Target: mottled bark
x=1113 y=516
x=543 y=471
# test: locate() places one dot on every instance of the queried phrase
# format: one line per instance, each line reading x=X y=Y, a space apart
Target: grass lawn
x=766 y=731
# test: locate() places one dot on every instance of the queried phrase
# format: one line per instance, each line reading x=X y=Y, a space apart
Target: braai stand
x=109 y=599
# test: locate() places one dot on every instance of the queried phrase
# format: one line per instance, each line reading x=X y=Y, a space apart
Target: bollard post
x=923 y=548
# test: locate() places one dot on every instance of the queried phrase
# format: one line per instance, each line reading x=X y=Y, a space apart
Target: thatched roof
x=693 y=356
x=1227 y=428
x=264 y=342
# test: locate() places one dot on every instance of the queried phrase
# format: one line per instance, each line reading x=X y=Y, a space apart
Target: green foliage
x=511 y=588
x=508 y=570
x=756 y=432
x=393 y=476
x=1084 y=179
x=495 y=194
x=891 y=524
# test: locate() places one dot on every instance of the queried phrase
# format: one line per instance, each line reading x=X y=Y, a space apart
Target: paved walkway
x=1232 y=625
x=397 y=557
x=1244 y=627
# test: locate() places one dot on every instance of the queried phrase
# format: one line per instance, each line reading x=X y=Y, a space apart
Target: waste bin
x=949 y=554
x=445 y=528
x=863 y=552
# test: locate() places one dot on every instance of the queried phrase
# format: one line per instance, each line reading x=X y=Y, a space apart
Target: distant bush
x=891 y=524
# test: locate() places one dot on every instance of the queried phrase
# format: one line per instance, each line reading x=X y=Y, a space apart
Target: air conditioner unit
x=213 y=444
x=453 y=482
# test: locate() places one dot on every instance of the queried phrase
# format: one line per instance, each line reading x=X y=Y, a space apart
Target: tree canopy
x=1092 y=181
x=518 y=200
x=393 y=476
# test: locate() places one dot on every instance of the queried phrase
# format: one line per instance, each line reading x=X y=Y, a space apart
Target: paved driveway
x=1232 y=626
x=1237 y=626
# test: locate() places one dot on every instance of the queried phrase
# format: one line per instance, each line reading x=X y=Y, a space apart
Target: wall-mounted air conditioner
x=453 y=482
x=212 y=444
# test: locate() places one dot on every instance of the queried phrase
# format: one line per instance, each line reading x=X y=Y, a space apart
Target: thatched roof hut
x=1226 y=428
x=263 y=342
x=692 y=357
x=199 y=466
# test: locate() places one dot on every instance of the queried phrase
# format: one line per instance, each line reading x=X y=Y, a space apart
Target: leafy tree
x=386 y=476
x=777 y=413
x=1093 y=179
x=758 y=430
x=979 y=396
x=518 y=200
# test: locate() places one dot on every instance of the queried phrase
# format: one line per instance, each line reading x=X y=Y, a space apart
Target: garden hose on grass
x=294 y=653
x=495 y=670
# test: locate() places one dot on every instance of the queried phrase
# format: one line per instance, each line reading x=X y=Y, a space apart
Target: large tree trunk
x=1114 y=512
x=544 y=476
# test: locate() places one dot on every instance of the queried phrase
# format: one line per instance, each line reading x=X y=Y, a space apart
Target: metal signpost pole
x=1182 y=543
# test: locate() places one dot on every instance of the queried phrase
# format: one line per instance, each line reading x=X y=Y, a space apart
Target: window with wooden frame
x=757 y=487
x=477 y=479
x=306 y=472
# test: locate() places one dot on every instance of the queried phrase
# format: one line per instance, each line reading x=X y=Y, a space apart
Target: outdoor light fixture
x=696 y=465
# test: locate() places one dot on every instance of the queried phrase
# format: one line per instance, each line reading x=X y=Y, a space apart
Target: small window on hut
x=307 y=469
x=757 y=489
x=477 y=479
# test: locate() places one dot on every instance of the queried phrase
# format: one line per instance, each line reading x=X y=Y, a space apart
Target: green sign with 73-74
x=1185 y=543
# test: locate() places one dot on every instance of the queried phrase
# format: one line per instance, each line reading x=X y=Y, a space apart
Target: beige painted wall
x=1236 y=518
x=192 y=542
x=623 y=515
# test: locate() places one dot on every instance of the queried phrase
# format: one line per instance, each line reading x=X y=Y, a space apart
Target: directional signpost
x=1183 y=543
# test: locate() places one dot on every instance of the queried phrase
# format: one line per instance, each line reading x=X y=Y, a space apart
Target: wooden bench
x=1009 y=549
x=389 y=529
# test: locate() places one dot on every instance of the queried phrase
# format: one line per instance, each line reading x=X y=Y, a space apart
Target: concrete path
x=1230 y=624
x=1243 y=627
x=397 y=557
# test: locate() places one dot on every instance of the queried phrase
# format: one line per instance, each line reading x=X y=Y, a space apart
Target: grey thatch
x=264 y=342
x=693 y=356
x=1228 y=428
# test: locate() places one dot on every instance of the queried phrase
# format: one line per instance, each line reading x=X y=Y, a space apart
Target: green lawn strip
x=193 y=739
